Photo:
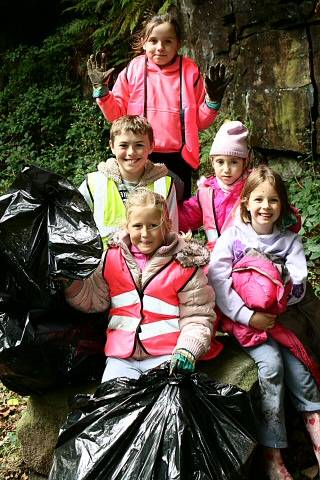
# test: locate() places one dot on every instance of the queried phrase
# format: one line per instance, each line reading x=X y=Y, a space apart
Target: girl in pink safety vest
x=160 y=304
x=217 y=199
x=166 y=88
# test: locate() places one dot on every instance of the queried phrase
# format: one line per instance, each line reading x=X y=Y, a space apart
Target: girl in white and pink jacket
x=161 y=307
x=255 y=313
x=167 y=89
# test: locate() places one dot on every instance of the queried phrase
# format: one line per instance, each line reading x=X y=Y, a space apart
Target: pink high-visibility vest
x=151 y=316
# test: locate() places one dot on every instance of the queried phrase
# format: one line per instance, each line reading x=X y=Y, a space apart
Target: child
x=161 y=306
x=264 y=206
x=217 y=198
x=168 y=90
x=106 y=191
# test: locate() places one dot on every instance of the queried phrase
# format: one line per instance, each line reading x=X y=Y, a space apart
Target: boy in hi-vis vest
x=106 y=190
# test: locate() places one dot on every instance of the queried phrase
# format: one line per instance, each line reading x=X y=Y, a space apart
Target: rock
x=38 y=428
x=233 y=365
x=272 y=49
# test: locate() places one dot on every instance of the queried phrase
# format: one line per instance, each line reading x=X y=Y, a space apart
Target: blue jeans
x=277 y=369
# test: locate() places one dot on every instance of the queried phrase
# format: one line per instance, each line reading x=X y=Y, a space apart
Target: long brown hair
x=142 y=35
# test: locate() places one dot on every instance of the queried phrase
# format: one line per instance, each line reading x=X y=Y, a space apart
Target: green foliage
x=305 y=194
x=45 y=118
x=53 y=130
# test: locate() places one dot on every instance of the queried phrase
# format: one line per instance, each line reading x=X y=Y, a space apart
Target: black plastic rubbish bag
x=47 y=231
x=157 y=428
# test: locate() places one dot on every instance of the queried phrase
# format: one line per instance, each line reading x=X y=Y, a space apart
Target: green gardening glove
x=98 y=74
x=216 y=82
x=182 y=361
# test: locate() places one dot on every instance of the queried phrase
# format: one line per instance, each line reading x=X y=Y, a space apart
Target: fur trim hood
x=188 y=252
x=152 y=172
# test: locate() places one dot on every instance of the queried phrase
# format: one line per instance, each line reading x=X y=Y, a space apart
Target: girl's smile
x=265 y=207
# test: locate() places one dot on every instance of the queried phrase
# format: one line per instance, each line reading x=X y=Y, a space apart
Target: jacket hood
x=152 y=171
x=188 y=252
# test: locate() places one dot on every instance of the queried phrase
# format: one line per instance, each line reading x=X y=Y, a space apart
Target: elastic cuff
x=212 y=105
x=101 y=91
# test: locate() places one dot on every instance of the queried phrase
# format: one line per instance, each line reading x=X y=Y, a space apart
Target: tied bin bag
x=185 y=427
x=47 y=232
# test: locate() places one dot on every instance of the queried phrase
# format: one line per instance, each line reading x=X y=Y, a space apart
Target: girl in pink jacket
x=161 y=307
x=216 y=202
x=167 y=89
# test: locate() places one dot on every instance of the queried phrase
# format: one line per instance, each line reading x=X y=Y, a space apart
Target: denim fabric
x=277 y=369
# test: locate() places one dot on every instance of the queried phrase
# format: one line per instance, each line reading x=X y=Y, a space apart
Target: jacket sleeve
x=296 y=265
x=197 y=315
x=115 y=103
x=219 y=276
x=190 y=214
x=90 y=295
x=206 y=116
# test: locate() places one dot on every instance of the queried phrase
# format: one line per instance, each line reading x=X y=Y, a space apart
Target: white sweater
x=233 y=244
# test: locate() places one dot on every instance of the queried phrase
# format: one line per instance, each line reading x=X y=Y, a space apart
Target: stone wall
x=273 y=50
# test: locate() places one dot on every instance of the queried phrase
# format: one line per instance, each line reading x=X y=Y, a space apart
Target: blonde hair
x=141 y=197
x=259 y=175
x=142 y=36
x=131 y=123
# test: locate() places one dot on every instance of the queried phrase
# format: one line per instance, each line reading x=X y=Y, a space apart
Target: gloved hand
x=98 y=74
x=182 y=361
x=216 y=82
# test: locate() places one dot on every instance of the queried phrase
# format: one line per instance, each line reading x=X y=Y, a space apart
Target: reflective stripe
x=154 y=329
x=125 y=299
x=83 y=189
x=211 y=235
x=155 y=305
x=108 y=207
x=107 y=231
x=120 y=322
x=98 y=185
x=160 y=186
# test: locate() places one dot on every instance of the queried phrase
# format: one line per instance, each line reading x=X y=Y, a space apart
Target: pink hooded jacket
x=171 y=98
x=198 y=210
x=258 y=282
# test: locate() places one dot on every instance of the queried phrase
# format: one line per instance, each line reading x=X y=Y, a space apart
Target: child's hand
x=262 y=321
x=182 y=361
x=216 y=82
x=98 y=73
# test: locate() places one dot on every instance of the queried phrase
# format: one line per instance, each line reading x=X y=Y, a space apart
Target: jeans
x=277 y=369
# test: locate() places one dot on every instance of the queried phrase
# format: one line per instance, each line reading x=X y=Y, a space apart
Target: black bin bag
x=157 y=428
x=47 y=231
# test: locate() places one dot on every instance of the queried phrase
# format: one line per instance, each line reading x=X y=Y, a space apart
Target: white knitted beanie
x=231 y=139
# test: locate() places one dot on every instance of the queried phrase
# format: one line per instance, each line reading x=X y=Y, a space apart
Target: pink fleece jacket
x=161 y=104
x=197 y=211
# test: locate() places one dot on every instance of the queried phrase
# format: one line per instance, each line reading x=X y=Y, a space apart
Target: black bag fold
x=47 y=231
x=157 y=428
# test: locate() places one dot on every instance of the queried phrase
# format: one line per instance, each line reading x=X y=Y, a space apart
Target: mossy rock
x=233 y=365
x=39 y=426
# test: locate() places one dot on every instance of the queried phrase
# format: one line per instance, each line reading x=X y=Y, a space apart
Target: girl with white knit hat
x=217 y=199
